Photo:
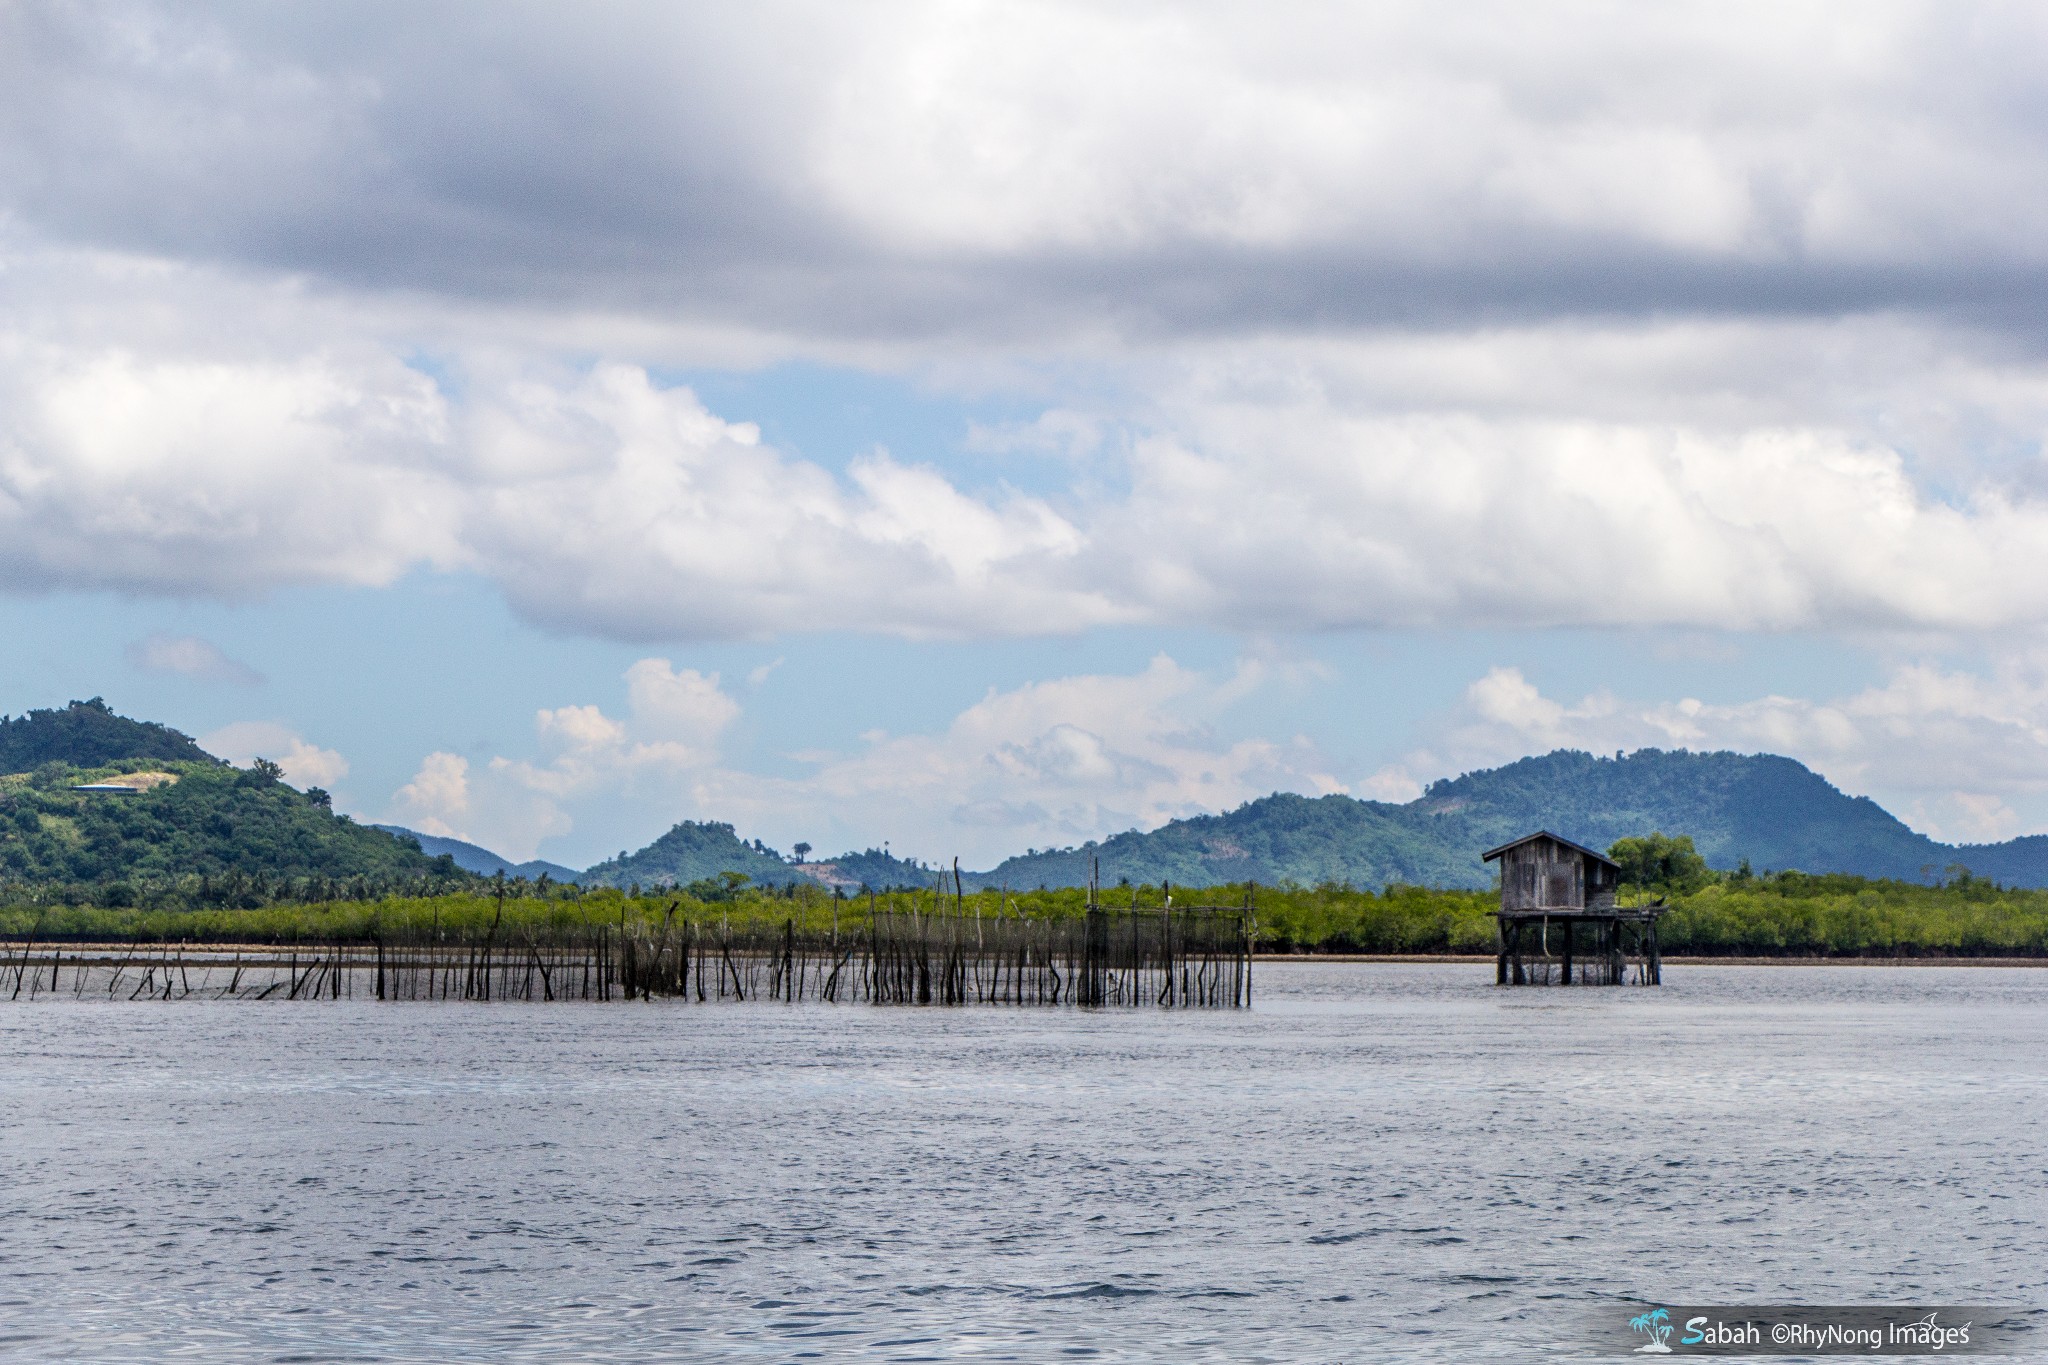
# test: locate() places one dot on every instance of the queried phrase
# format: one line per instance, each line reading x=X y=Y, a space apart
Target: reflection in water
x=1381 y=1162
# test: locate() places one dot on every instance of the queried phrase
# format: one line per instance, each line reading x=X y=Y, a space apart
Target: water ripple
x=1394 y=1163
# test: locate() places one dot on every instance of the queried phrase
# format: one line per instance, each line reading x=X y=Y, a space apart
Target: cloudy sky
x=989 y=426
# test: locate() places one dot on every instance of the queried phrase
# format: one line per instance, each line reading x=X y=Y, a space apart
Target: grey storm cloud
x=1027 y=171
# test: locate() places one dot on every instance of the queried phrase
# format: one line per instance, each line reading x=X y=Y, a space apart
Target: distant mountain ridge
x=475 y=858
x=1772 y=811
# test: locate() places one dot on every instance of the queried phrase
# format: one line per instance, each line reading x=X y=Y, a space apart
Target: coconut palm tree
x=1658 y=1325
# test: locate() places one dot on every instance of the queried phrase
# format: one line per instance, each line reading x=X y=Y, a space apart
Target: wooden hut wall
x=1601 y=883
x=1542 y=875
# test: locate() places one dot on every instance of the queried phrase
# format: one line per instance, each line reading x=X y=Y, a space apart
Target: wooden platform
x=1579 y=946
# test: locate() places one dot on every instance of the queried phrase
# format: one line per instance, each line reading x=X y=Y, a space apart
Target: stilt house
x=1558 y=911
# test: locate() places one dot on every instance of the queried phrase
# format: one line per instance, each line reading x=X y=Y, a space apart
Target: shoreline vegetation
x=1787 y=915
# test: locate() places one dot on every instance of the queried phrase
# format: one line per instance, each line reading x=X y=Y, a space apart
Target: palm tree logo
x=1658 y=1326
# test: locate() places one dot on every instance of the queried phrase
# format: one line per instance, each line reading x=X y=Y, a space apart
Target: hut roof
x=1594 y=854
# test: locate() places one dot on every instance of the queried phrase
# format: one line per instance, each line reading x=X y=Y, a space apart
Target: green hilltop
x=197 y=831
x=701 y=852
x=693 y=852
x=86 y=734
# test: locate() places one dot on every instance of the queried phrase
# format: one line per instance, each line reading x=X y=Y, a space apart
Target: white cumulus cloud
x=436 y=800
x=189 y=656
x=1054 y=762
x=1348 y=317
x=215 y=476
x=305 y=764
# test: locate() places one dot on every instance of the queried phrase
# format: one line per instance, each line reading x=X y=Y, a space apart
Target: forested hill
x=185 y=828
x=1771 y=811
x=691 y=852
x=702 y=852
x=213 y=821
x=86 y=734
x=1303 y=839
x=876 y=868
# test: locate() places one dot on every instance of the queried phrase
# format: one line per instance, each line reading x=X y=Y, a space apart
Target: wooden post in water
x=26 y=946
x=1165 y=996
x=1252 y=915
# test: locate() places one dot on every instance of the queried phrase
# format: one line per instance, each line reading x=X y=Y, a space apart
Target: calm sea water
x=1378 y=1163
